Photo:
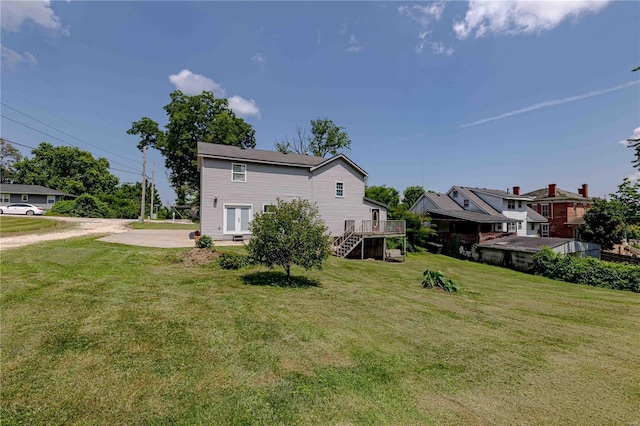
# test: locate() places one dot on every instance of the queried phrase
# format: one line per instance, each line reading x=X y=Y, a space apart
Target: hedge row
x=587 y=271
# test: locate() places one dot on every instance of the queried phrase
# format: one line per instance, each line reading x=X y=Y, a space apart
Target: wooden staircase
x=347 y=242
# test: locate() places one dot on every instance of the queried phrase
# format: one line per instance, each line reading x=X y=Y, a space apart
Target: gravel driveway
x=81 y=227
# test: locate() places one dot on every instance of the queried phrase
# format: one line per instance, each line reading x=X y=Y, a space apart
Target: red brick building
x=563 y=209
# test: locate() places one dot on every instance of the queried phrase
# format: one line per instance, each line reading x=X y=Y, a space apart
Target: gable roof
x=449 y=208
x=535 y=217
x=542 y=194
x=16 y=188
x=501 y=194
x=228 y=152
x=472 y=197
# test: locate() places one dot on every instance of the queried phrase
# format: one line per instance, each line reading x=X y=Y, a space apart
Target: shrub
x=587 y=271
x=204 y=242
x=232 y=261
x=437 y=279
x=84 y=206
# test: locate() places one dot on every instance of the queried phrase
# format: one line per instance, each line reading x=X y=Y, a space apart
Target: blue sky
x=488 y=94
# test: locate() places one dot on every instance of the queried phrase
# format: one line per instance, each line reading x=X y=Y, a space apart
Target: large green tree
x=9 y=155
x=628 y=195
x=604 y=223
x=291 y=234
x=411 y=195
x=325 y=138
x=67 y=169
x=192 y=119
x=383 y=194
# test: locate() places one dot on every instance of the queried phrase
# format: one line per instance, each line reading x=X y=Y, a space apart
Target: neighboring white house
x=236 y=183
x=477 y=214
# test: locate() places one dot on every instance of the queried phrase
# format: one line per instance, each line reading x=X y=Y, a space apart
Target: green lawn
x=164 y=225
x=95 y=333
x=16 y=225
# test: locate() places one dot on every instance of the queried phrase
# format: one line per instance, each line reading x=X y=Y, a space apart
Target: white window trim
x=542 y=208
x=24 y=198
x=233 y=173
x=224 y=217
x=511 y=204
x=511 y=227
x=52 y=198
x=336 y=190
x=264 y=207
x=5 y=198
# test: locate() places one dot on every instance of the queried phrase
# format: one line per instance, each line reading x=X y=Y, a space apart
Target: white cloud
x=635 y=135
x=193 y=84
x=634 y=177
x=259 y=58
x=552 y=102
x=521 y=17
x=424 y=15
x=244 y=107
x=439 y=48
x=11 y=58
x=15 y=13
x=353 y=47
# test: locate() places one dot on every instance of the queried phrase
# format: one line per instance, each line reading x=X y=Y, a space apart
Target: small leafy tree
x=291 y=234
x=604 y=223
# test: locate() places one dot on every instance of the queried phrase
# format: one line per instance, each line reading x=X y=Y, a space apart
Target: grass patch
x=164 y=225
x=96 y=333
x=11 y=225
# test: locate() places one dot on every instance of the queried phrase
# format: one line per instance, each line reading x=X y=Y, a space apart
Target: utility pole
x=153 y=185
x=144 y=180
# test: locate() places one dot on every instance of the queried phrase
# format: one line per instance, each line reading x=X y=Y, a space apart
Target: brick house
x=563 y=209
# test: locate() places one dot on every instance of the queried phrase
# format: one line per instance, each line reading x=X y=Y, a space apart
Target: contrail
x=553 y=102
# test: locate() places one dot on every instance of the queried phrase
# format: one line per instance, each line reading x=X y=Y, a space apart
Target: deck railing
x=384 y=227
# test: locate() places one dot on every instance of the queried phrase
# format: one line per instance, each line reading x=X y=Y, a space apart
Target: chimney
x=585 y=190
x=552 y=190
x=516 y=190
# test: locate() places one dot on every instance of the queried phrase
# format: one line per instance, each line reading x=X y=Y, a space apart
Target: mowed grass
x=16 y=225
x=164 y=225
x=94 y=333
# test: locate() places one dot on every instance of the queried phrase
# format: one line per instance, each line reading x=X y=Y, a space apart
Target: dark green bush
x=587 y=271
x=232 y=260
x=204 y=242
x=437 y=279
x=84 y=206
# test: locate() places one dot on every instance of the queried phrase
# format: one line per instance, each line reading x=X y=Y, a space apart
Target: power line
x=65 y=133
x=46 y=110
x=51 y=136
x=33 y=147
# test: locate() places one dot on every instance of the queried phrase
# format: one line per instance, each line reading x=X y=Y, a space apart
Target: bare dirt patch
x=79 y=227
x=195 y=256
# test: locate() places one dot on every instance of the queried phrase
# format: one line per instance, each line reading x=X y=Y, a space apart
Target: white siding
x=501 y=204
x=265 y=183
x=335 y=210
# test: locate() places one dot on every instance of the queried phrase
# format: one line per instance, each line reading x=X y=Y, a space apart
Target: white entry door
x=236 y=219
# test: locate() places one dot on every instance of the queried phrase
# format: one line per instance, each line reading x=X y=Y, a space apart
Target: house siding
x=265 y=183
x=37 y=200
x=501 y=205
x=336 y=210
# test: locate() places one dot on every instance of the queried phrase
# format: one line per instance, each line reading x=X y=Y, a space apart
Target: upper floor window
x=519 y=204
x=466 y=204
x=455 y=194
x=51 y=199
x=238 y=172
x=511 y=204
x=25 y=197
x=544 y=210
x=5 y=198
x=339 y=189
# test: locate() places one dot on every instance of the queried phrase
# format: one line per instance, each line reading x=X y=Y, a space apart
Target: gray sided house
x=37 y=195
x=237 y=183
x=517 y=252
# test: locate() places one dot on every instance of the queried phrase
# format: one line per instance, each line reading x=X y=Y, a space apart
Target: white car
x=21 y=208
